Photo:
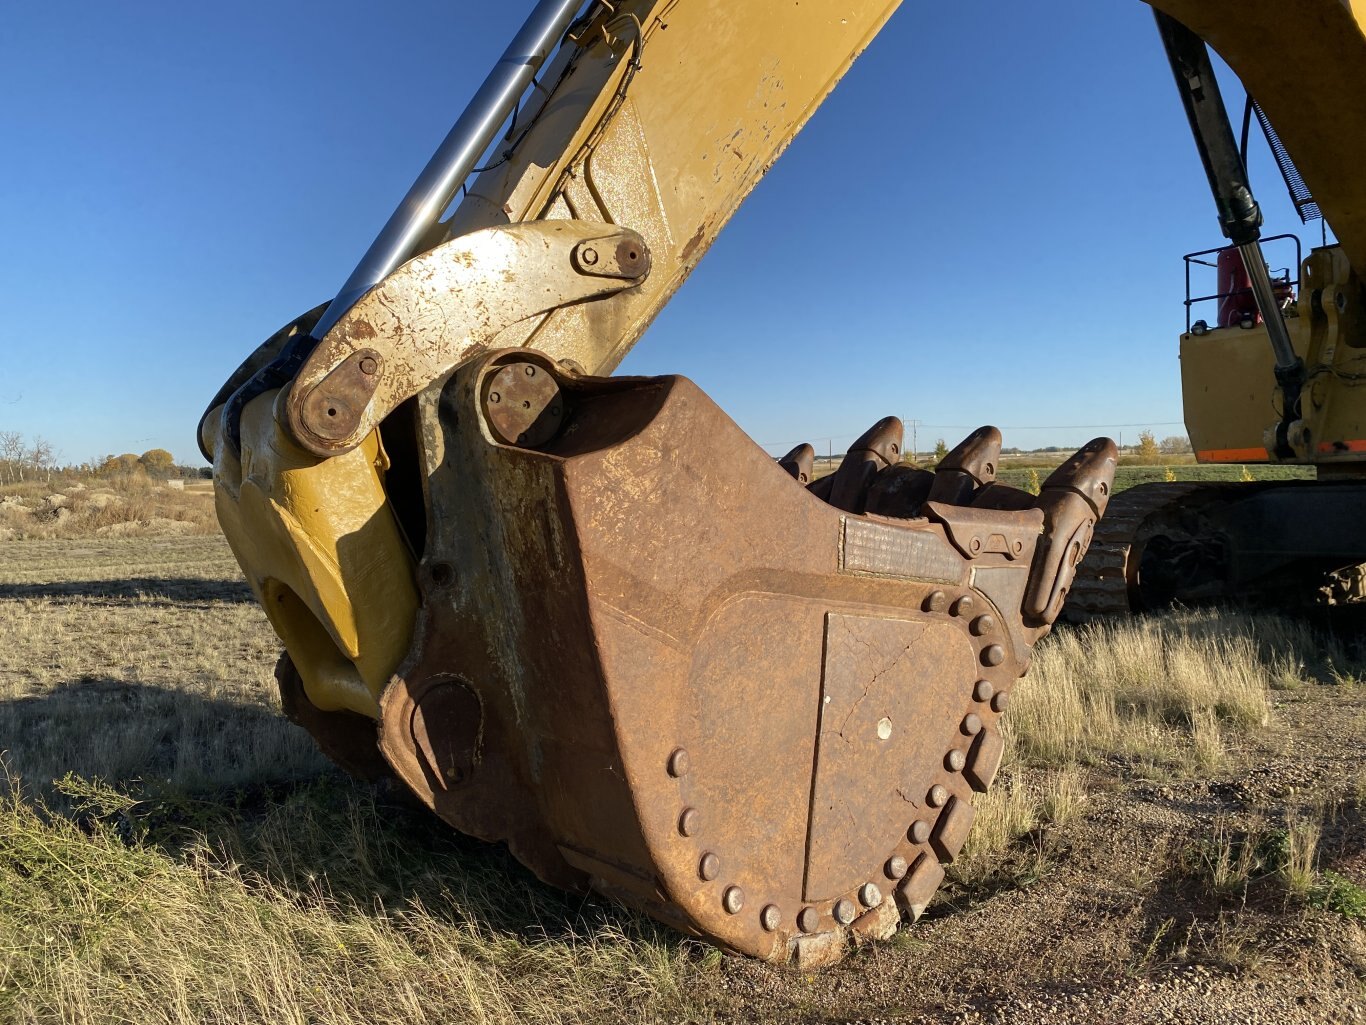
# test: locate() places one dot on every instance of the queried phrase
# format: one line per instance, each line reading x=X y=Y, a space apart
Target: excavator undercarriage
x=1295 y=546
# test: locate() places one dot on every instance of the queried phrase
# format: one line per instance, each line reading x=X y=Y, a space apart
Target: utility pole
x=915 y=449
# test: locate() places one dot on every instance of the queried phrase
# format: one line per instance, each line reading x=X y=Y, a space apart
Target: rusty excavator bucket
x=589 y=617
x=659 y=667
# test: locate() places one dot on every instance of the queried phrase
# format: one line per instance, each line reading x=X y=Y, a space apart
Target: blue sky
x=1016 y=180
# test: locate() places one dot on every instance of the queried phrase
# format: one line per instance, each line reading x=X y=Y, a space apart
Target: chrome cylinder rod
x=457 y=155
x=1270 y=310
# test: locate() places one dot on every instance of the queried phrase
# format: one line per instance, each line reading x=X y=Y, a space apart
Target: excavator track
x=1288 y=545
x=1107 y=579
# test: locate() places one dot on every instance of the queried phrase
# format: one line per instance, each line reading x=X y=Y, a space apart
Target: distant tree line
x=1148 y=449
x=156 y=462
x=23 y=459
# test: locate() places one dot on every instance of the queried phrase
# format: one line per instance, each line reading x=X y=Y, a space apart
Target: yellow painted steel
x=1228 y=378
x=673 y=149
x=323 y=553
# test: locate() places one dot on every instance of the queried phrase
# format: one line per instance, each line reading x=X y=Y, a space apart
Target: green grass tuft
x=1340 y=895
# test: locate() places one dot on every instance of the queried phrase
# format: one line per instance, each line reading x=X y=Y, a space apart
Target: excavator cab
x=586 y=615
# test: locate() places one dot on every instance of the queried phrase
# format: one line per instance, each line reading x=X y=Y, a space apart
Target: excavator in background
x=1278 y=378
x=586 y=615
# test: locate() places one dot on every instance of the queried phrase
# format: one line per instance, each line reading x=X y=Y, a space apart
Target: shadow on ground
x=1089 y=919
x=135 y=758
x=183 y=592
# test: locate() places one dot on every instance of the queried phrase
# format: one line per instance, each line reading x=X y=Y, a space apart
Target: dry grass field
x=132 y=505
x=1178 y=831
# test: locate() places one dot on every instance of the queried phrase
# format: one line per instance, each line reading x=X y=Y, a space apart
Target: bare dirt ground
x=1179 y=836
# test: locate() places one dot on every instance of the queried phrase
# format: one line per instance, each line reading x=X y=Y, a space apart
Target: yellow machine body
x=323 y=554
x=1305 y=64
x=1228 y=377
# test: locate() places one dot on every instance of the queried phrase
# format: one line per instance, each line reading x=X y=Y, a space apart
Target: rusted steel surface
x=876 y=450
x=523 y=406
x=800 y=463
x=338 y=403
x=347 y=738
x=656 y=665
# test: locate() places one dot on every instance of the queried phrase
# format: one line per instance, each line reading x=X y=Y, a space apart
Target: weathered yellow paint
x=723 y=88
x=321 y=549
x=1228 y=380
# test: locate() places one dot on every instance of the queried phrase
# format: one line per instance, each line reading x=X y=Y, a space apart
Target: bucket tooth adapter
x=586 y=615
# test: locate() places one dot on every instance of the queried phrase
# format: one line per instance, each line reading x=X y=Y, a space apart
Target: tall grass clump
x=1237 y=856
x=1168 y=692
x=1020 y=805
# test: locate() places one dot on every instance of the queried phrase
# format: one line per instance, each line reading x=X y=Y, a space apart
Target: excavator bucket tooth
x=876 y=449
x=1073 y=498
x=968 y=466
x=964 y=475
x=656 y=666
x=821 y=488
x=800 y=463
x=1089 y=472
